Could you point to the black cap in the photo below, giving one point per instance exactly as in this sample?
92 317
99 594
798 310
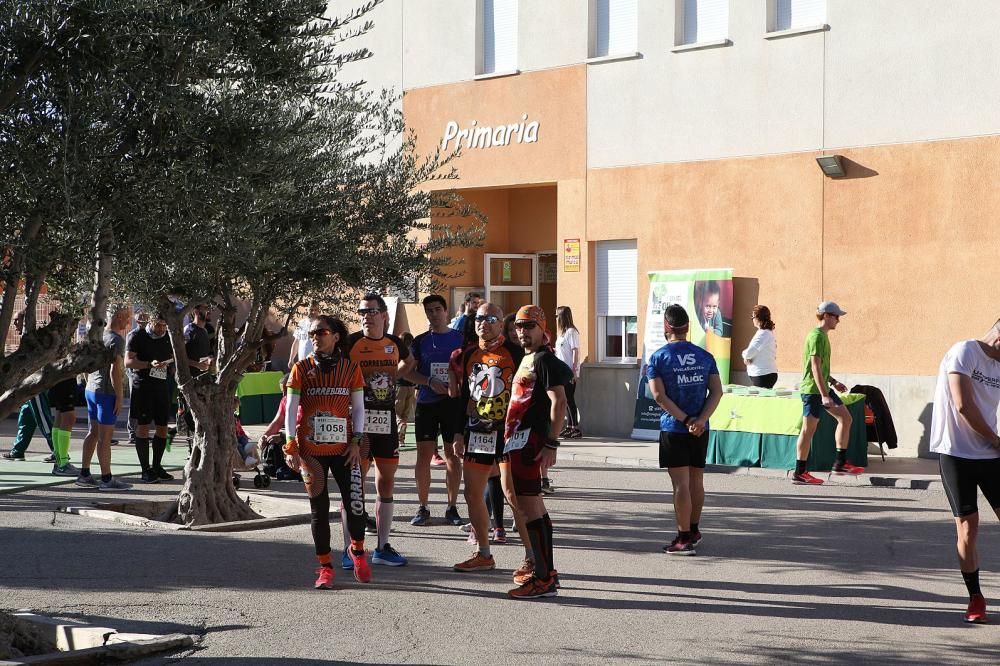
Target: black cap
676 316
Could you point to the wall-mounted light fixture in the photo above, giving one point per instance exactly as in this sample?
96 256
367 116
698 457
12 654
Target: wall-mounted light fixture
831 166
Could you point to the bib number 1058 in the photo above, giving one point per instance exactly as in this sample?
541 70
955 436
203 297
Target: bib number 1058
329 430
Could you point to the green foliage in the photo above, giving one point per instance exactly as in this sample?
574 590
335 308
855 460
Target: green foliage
220 142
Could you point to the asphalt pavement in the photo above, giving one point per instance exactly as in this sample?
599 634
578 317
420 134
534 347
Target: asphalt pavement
793 574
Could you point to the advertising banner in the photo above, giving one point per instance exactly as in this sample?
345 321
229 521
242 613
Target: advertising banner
707 295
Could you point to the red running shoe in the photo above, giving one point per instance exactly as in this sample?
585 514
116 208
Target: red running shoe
324 578
437 460
362 572
806 479
535 588
680 546
976 612
848 468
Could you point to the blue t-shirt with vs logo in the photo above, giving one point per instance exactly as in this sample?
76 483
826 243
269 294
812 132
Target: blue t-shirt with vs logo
684 369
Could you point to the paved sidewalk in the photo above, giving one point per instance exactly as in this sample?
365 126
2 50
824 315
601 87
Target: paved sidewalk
916 473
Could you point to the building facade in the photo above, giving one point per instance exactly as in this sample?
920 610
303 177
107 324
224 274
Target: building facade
675 134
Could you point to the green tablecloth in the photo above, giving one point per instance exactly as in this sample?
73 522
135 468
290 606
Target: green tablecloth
752 431
259 394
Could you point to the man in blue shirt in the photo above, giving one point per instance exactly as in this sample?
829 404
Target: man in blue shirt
437 414
685 383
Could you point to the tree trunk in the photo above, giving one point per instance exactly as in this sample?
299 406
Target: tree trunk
208 495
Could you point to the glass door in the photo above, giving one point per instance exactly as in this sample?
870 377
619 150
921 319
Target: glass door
511 280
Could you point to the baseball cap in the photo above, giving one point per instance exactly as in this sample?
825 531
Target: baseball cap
676 316
829 307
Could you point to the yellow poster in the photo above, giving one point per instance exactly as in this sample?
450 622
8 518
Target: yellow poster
571 255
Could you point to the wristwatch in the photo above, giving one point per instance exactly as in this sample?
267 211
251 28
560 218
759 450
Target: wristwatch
356 438
551 443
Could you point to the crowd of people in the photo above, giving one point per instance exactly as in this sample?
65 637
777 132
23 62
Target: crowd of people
497 394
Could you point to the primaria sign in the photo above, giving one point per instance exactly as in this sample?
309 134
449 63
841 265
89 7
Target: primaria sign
487 137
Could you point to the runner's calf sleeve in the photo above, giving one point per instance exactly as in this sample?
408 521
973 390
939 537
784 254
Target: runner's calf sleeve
383 519
539 547
319 506
496 500
548 539
159 446
972 582
142 452
60 442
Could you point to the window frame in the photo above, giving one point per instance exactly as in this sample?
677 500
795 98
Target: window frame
680 37
480 72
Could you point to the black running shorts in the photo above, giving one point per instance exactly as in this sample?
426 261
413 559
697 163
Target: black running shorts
484 449
962 476
62 396
151 404
682 449
444 417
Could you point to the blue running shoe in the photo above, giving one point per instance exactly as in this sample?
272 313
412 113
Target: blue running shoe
388 556
346 562
421 517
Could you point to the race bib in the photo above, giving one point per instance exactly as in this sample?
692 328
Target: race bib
329 430
482 442
439 371
517 440
378 421
158 373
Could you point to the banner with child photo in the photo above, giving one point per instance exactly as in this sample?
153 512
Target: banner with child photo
707 295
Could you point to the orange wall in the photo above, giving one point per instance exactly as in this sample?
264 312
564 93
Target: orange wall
900 243
556 98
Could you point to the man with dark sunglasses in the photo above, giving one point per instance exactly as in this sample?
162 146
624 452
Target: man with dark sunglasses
817 396
534 419
485 374
381 357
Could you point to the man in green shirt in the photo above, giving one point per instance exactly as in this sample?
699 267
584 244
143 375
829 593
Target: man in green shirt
817 396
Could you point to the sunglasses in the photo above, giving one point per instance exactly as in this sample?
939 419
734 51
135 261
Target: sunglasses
526 325
319 332
369 311
489 319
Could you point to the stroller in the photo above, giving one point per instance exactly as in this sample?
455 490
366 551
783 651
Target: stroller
273 458
244 460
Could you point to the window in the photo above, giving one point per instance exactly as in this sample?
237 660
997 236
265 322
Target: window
617 296
795 14
498 36
614 27
703 21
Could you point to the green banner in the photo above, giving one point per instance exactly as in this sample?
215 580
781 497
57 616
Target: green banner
707 295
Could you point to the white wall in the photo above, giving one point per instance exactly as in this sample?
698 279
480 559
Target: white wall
911 70
439 42
384 70
755 97
552 33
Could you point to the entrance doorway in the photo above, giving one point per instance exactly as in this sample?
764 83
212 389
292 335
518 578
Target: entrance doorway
513 280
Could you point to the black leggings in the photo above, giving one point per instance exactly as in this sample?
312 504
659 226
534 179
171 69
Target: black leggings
352 493
572 414
765 381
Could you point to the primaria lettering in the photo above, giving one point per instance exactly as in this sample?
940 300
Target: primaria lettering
487 137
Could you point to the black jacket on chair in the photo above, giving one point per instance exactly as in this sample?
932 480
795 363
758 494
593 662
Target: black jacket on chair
883 430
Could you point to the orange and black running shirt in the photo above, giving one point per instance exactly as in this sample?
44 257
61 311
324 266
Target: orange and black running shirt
489 379
379 363
324 424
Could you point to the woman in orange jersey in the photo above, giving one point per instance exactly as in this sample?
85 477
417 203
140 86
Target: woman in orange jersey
325 435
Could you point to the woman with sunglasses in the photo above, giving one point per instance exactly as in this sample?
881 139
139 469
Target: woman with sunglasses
326 436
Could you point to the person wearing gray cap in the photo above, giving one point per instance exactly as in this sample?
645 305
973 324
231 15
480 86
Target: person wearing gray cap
817 396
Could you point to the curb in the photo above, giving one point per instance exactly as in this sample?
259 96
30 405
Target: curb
915 482
102 643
